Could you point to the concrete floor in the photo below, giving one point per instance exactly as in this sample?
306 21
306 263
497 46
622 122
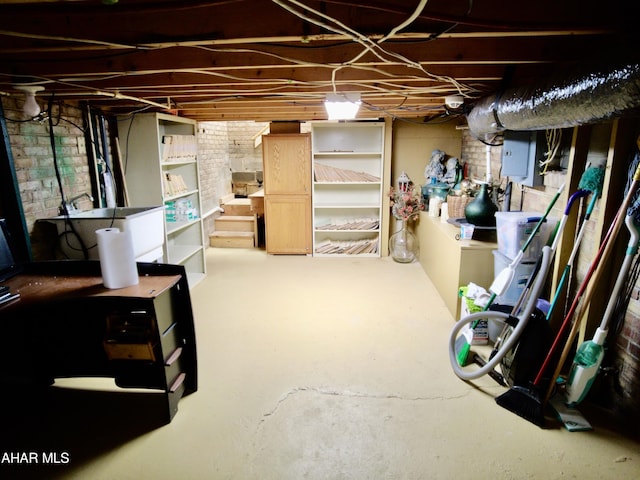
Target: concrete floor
313 368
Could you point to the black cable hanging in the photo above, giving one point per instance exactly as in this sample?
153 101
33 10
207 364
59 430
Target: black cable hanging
56 167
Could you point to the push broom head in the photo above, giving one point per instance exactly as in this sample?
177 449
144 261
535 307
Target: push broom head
592 180
523 401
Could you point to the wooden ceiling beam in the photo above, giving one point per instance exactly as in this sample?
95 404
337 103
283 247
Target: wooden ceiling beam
269 76
25 43
265 88
247 56
206 60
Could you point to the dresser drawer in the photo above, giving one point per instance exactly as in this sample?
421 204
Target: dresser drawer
130 336
171 339
163 311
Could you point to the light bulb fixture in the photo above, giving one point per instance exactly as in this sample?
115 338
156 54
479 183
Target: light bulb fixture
30 106
342 106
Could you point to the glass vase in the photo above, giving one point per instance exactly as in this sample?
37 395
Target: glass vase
403 245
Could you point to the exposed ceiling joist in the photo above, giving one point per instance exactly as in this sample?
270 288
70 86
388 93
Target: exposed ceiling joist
276 59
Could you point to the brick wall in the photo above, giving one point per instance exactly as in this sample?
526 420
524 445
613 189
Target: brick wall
620 389
224 147
244 155
31 149
474 153
213 158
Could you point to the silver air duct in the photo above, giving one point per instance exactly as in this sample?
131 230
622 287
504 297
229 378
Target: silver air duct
567 103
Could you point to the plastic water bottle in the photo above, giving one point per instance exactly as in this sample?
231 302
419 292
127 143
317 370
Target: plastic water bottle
585 368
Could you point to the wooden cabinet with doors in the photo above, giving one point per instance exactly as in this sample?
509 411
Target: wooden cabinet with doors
287 193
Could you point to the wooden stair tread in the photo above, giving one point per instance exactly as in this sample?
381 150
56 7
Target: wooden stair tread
231 234
238 201
237 210
227 239
236 218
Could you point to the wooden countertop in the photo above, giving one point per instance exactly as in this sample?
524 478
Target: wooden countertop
257 202
450 230
35 288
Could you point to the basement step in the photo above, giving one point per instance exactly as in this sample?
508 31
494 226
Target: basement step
225 239
237 206
235 223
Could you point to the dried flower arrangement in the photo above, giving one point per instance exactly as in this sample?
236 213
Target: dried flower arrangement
407 203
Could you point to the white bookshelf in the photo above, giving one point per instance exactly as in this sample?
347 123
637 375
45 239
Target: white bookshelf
161 167
348 161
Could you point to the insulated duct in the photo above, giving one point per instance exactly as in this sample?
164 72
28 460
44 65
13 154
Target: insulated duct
558 104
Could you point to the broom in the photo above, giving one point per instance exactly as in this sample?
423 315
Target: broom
526 401
591 182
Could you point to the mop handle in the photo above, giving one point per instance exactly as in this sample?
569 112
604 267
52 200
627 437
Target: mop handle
632 250
567 319
603 252
567 268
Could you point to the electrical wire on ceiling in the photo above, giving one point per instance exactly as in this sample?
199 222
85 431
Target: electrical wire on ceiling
416 13
93 91
86 41
308 14
378 86
392 88
453 25
340 29
293 61
368 44
375 85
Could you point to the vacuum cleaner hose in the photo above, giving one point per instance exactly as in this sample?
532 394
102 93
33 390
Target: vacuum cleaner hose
512 340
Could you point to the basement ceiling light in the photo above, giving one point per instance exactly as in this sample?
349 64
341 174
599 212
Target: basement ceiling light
30 107
342 106
454 101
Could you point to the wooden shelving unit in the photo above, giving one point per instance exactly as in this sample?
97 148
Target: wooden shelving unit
348 161
160 154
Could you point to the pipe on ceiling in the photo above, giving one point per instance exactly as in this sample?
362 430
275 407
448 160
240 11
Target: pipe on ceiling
579 100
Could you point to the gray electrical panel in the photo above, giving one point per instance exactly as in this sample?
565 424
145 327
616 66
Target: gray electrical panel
520 152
